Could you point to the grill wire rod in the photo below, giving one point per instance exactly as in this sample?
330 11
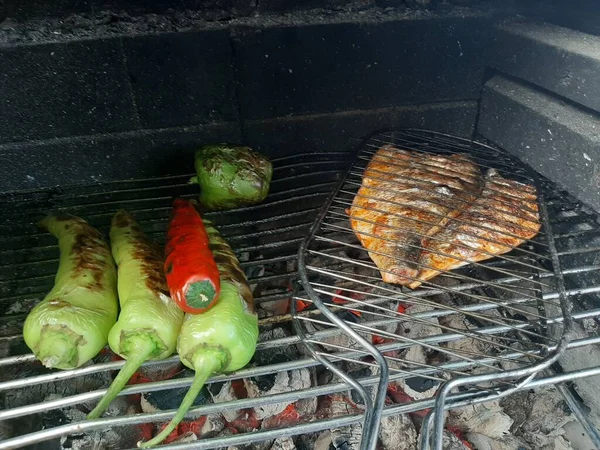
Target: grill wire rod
449 317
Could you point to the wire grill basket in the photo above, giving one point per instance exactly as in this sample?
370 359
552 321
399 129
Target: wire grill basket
470 334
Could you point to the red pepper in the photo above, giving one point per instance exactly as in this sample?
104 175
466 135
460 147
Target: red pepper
190 268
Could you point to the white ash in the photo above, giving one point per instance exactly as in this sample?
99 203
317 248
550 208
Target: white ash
288 381
323 441
424 390
307 406
285 443
466 346
108 439
398 433
280 382
488 419
224 393
274 308
451 441
588 388
338 342
481 442
576 435
314 441
263 445
213 425
546 419
345 438
418 330
184 438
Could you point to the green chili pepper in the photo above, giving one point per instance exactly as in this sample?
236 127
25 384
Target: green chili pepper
70 326
222 339
150 321
230 177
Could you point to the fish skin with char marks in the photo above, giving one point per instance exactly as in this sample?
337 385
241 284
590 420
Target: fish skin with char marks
406 196
503 217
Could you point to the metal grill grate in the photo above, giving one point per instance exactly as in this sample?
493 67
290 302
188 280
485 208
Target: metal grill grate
483 325
266 238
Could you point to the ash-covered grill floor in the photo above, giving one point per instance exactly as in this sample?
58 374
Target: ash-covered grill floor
266 239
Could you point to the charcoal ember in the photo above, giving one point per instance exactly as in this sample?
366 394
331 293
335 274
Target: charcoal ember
406 390
262 445
167 399
186 437
314 441
388 330
340 341
108 439
293 414
280 382
7 430
481 442
363 372
288 381
398 433
451 441
344 438
61 388
213 425
396 392
488 419
246 422
158 372
221 393
285 443
270 287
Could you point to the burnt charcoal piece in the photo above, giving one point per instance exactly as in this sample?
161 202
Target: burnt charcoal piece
421 384
171 398
286 381
224 392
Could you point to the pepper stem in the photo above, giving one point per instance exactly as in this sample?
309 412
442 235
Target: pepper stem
140 351
200 294
57 349
206 362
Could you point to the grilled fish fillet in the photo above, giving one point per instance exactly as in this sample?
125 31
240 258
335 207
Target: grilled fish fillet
406 196
503 217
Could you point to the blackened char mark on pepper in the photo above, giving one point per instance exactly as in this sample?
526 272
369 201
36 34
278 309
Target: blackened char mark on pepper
228 264
90 254
146 253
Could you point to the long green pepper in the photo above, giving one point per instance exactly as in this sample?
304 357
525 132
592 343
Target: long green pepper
150 321
222 339
71 324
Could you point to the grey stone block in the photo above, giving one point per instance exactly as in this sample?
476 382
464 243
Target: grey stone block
559 140
558 59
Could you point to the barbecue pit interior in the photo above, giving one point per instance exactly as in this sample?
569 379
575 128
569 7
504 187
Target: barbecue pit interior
103 105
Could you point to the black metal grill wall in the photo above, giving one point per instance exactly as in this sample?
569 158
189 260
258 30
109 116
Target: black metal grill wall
97 91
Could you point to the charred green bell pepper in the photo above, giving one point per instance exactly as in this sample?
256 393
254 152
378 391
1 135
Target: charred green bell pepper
71 324
221 339
230 177
150 320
